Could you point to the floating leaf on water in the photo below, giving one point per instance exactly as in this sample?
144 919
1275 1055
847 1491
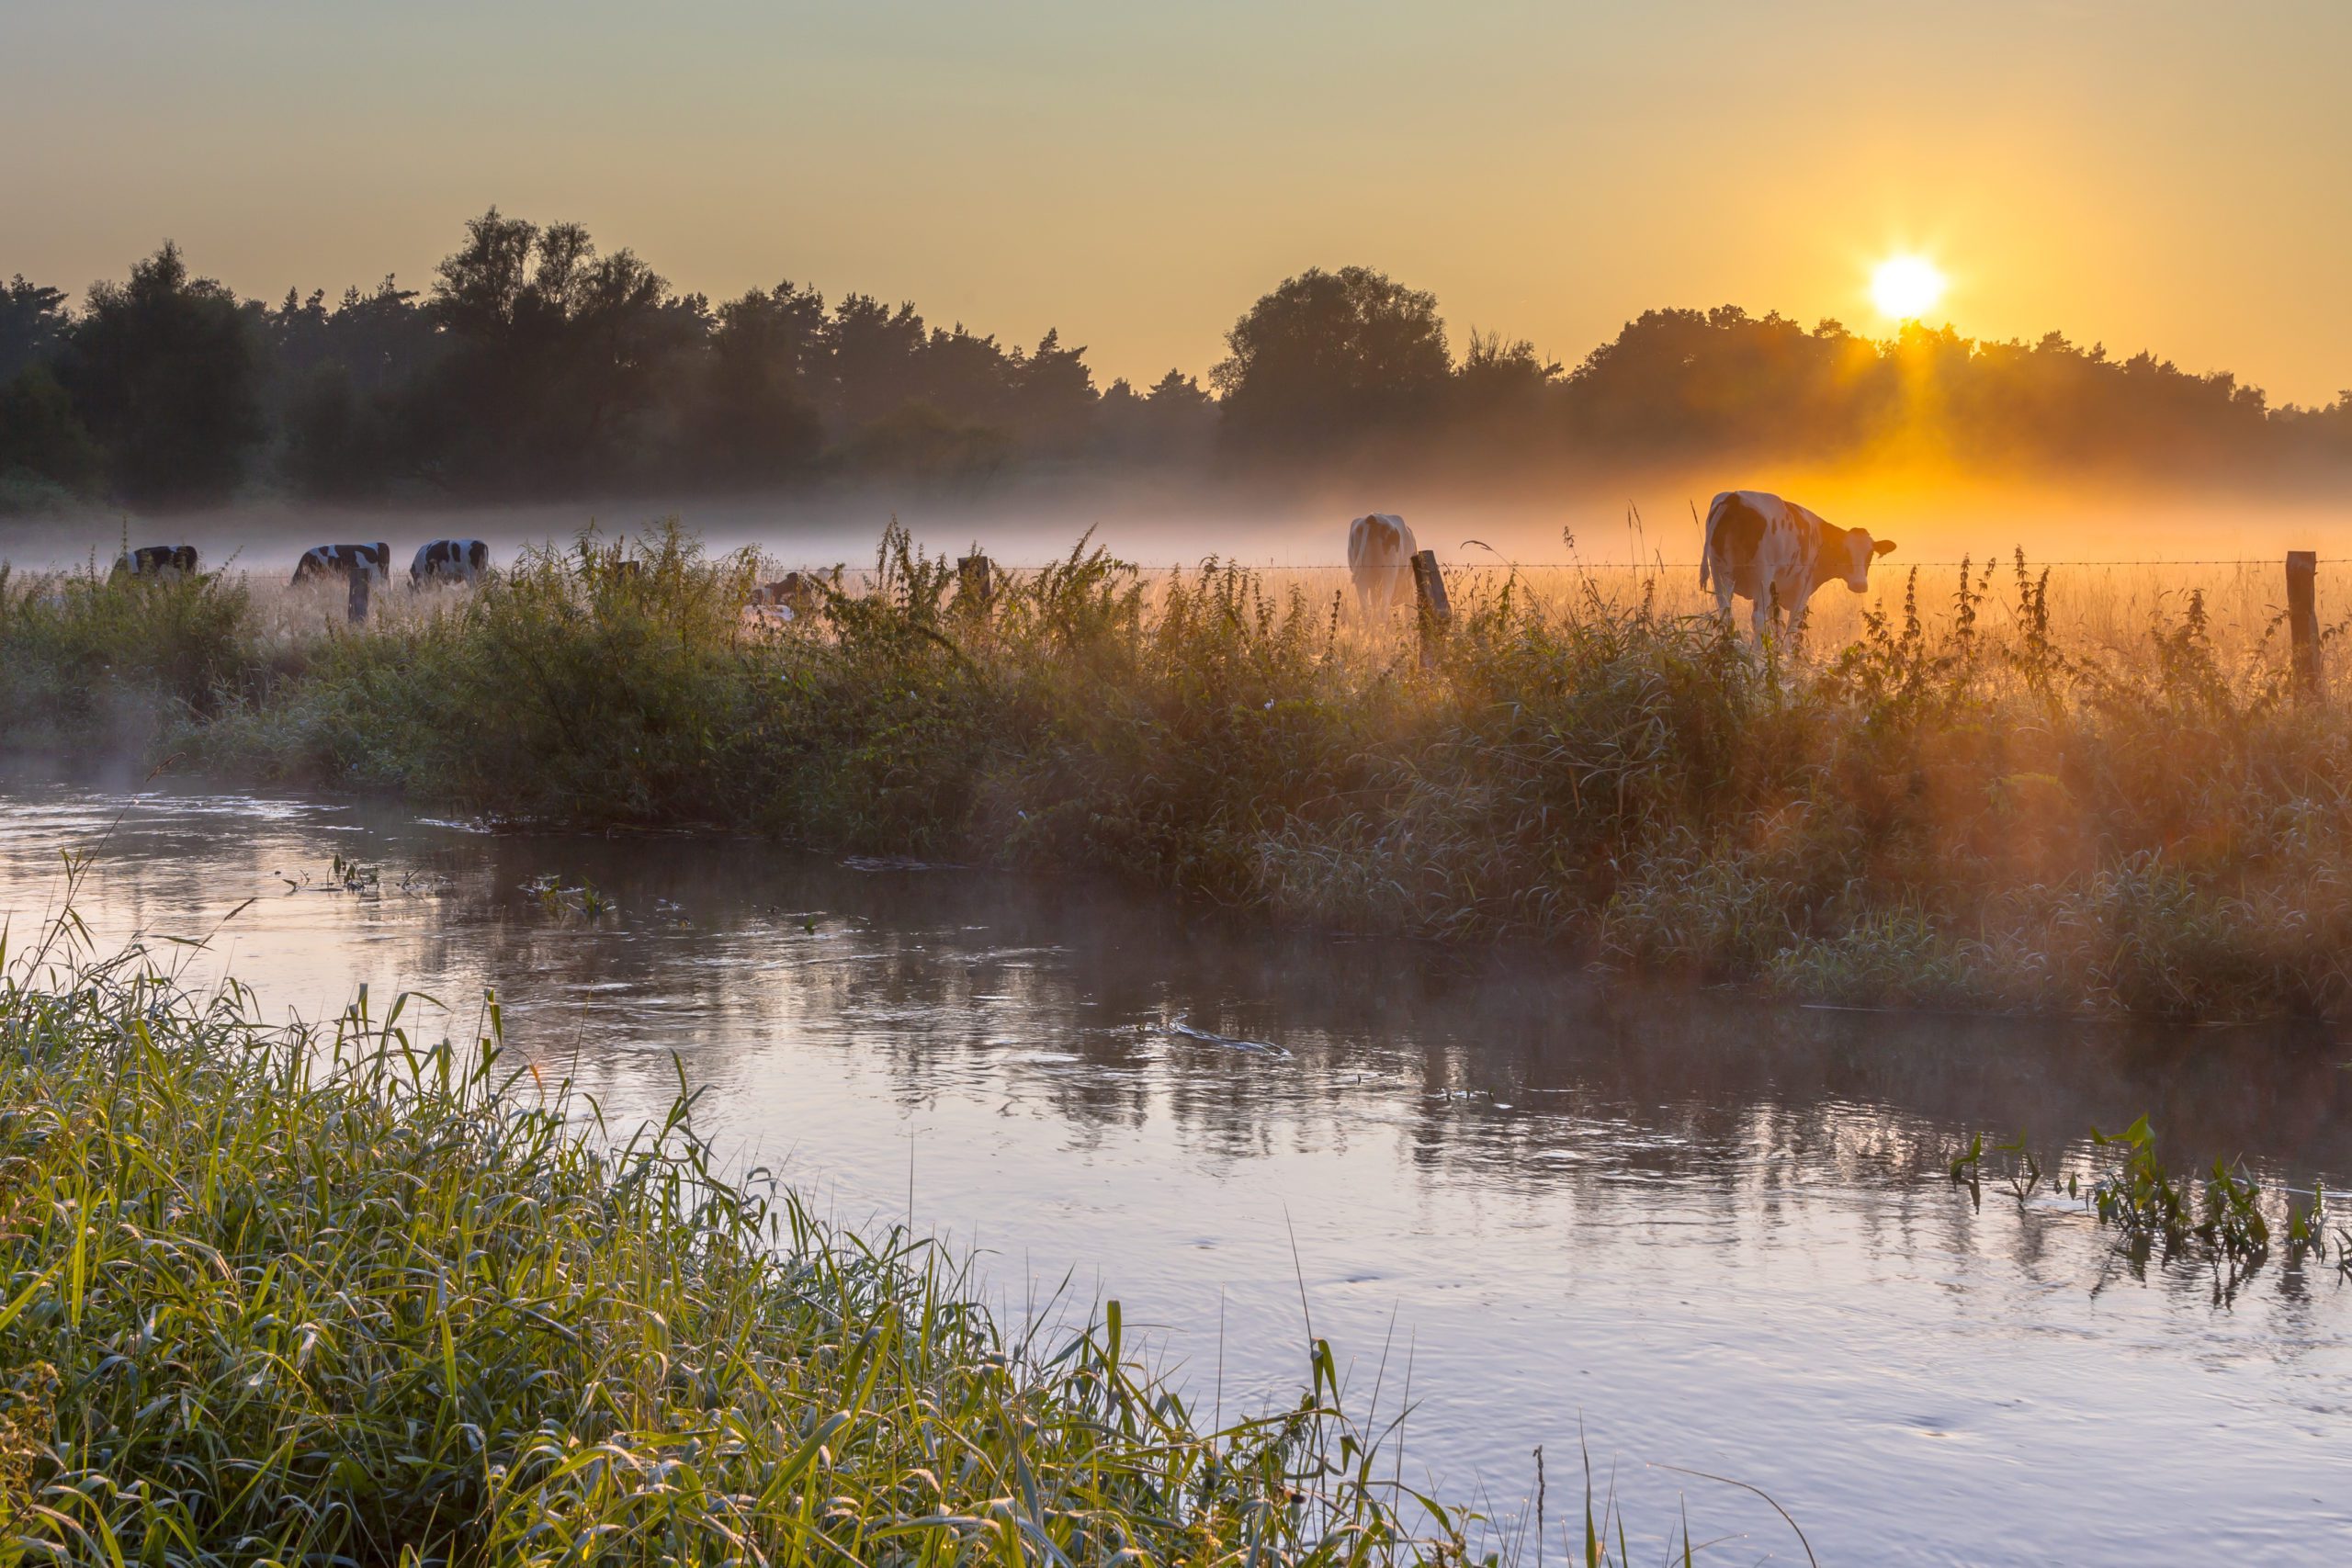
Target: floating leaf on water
1259 1047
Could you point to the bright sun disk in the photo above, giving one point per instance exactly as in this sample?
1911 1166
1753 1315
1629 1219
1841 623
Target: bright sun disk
1907 287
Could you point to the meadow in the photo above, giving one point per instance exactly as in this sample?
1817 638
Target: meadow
1995 787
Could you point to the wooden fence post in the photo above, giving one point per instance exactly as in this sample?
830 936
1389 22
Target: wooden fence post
361 580
2302 620
1435 614
975 583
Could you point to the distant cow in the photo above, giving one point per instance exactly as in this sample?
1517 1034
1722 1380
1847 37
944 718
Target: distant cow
321 561
789 597
449 560
1774 554
164 563
1380 561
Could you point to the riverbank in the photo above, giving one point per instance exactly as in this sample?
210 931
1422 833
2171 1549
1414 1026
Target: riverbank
1958 809
338 1294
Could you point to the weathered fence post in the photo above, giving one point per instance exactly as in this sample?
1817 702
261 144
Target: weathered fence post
361 581
1435 614
2302 620
975 583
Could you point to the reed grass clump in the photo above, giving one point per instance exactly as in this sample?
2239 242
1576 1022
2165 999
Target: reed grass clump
92 660
1965 804
338 1296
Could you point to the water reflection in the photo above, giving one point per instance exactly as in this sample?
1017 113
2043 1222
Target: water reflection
1717 1234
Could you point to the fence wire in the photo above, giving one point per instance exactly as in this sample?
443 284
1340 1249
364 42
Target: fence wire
1502 563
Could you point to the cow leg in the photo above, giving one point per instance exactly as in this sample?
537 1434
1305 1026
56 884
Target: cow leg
1797 602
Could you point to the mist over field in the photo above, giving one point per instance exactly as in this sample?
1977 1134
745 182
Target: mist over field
1630 519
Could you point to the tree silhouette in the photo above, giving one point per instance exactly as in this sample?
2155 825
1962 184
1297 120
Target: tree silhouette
541 366
755 420
1331 357
41 437
164 369
32 324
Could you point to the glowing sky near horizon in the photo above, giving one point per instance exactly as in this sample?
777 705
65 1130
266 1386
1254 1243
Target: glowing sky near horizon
2171 176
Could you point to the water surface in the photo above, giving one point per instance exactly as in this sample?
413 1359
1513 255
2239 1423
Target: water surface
1696 1230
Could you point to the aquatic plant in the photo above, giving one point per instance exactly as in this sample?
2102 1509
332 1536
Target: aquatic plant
2155 1212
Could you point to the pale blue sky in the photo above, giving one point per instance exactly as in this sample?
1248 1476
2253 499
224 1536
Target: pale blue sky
2170 175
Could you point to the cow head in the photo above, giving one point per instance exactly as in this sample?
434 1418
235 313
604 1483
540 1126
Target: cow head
1860 550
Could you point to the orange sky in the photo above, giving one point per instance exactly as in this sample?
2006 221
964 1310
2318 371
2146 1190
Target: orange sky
2175 177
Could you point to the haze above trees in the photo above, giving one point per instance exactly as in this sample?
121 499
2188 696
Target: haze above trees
536 366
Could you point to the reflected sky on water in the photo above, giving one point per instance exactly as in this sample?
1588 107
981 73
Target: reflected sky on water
1702 1231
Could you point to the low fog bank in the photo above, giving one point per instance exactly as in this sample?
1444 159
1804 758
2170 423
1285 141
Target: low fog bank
1627 518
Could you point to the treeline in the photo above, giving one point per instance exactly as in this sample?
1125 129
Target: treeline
536 365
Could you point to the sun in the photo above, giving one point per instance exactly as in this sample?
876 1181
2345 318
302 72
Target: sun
1906 288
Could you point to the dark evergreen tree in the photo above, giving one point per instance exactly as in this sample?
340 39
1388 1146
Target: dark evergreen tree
165 370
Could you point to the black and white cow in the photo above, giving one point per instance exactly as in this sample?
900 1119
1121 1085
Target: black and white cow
1774 553
1380 561
323 561
164 563
449 560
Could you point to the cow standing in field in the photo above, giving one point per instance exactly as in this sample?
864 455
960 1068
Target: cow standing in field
164 563
1774 553
460 561
1380 561
321 562
789 598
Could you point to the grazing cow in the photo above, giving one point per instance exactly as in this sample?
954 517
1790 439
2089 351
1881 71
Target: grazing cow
1380 561
321 561
1774 553
164 563
789 597
449 560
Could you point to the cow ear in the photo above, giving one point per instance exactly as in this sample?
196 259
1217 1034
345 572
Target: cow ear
1882 547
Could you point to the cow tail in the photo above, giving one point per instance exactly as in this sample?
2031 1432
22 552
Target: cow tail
1706 542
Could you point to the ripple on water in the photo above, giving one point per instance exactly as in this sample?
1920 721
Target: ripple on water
1683 1229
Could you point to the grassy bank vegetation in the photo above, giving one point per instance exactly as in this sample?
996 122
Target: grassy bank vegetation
283 1295
1964 806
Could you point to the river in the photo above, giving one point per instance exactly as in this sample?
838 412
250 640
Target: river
1682 1228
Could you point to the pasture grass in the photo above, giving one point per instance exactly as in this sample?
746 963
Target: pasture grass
336 1295
1979 789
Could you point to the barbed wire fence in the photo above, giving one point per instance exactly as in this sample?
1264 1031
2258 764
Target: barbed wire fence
1499 563
2247 610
